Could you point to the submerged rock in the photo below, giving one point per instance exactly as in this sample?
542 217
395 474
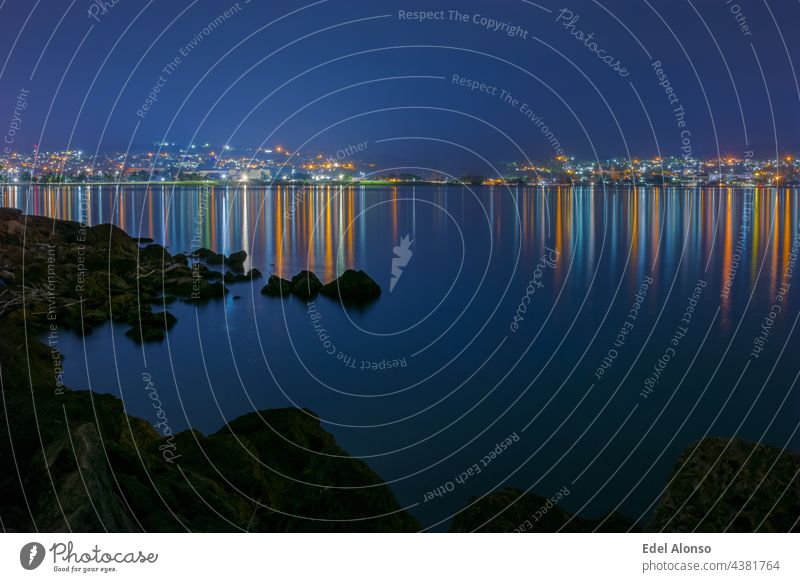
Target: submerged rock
352 287
306 285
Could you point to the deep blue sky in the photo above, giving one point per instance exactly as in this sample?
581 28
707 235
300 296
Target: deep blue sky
89 82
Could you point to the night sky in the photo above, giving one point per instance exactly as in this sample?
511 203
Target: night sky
324 75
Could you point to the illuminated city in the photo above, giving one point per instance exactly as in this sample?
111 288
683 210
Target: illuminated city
167 162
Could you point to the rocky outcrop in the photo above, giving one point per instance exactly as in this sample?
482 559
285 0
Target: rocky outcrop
731 485
718 485
75 461
81 490
80 277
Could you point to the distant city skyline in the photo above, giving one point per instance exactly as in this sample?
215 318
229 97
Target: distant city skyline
431 84
172 162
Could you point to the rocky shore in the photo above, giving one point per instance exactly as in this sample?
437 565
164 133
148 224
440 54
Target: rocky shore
717 485
75 461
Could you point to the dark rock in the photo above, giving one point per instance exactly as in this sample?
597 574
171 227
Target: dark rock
236 260
277 287
352 287
731 485
152 326
204 254
7 277
154 253
306 285
116 284
254 274
181 259
206 291
292 429
87 466
79 461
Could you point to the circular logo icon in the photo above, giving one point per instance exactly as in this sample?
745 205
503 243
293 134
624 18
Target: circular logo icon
31 555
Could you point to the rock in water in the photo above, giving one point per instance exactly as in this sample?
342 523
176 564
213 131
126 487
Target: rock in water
236 261
207 255
352 287
152 326
277 287
306 285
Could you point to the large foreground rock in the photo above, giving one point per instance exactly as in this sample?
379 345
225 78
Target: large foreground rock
731 485
718 485
97 468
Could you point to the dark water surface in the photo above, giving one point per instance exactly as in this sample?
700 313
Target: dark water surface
426 381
